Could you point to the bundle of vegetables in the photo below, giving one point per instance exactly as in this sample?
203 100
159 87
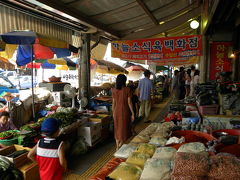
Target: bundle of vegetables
7 170
65 118
28 140
17 153
67 110
31 126
26 128
35 125
8 134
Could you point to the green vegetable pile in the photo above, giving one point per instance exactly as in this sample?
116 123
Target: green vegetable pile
10 134
65 118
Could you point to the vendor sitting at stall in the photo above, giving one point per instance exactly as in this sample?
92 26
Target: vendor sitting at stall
5 122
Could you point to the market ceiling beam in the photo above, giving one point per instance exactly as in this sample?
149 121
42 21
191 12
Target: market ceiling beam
76 14
137 18
164 19
164 27
115 11
146 10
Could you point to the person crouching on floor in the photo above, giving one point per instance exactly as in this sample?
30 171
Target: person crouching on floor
49 152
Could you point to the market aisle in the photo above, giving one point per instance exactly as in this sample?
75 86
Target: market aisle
157 113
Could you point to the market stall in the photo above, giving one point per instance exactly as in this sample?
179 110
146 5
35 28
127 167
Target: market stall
180 146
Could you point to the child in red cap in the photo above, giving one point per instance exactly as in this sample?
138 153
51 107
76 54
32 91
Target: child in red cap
49 152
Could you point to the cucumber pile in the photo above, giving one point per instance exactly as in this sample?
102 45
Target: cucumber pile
7 170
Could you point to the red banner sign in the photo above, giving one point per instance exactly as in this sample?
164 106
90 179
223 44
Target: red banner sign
219 59
176 62
158 48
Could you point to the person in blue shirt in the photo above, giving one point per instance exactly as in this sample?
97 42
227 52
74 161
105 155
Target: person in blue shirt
145 88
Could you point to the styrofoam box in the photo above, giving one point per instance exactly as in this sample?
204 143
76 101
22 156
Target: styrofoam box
185 120
219 121
91 131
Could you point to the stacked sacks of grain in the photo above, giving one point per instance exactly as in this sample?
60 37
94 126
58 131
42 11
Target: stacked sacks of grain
126 171
157 169
224 166
190 166
125 151
191 162
160 166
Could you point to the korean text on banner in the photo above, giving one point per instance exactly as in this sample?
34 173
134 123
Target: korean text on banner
158 48
219 59
176 61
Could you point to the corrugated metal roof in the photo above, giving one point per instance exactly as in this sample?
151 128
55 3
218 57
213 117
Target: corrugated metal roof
125 19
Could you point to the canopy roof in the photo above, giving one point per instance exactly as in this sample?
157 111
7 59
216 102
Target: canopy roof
123 19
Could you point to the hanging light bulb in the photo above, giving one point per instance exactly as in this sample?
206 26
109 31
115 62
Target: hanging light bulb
194 24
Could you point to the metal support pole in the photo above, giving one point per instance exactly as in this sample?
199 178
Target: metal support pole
204 61
85 66
33 105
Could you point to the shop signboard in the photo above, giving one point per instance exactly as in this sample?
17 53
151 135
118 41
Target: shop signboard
175 62
219 59
158 48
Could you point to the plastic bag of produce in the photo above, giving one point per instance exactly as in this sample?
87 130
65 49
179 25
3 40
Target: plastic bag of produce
140 139
79 147
125 151
165 153
161 133
126 171
158 141
194 147
148 131
156 169
224 167
138 159
146 148
191 164
175 140
167 125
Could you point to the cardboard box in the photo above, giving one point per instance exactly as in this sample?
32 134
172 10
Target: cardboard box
10 149
91 131
104 119
29 169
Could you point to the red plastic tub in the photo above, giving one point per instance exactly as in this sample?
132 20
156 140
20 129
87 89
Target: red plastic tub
191 136
232 149
233 132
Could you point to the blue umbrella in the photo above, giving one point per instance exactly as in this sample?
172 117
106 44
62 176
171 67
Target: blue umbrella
19 37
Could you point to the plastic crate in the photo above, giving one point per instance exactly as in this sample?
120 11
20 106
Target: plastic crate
208 109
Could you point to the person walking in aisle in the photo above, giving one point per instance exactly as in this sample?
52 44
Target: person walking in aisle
122 108
175 85
182 83
187 82
194 82
145 88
